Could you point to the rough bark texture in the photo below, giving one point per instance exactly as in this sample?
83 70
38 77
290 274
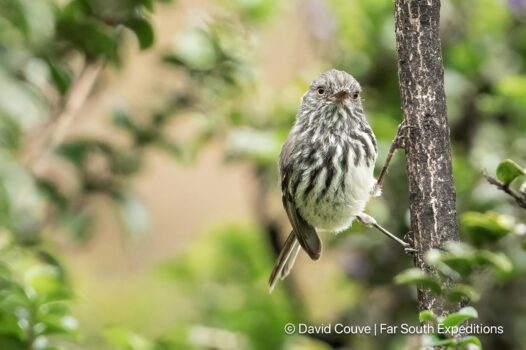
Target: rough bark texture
428 149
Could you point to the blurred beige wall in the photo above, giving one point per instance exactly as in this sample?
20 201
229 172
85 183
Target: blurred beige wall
183 200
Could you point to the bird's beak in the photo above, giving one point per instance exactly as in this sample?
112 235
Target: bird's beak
341 95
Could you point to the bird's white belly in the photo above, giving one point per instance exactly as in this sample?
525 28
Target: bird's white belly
337 209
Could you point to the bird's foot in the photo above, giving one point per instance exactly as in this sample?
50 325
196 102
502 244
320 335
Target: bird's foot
400 140
409 250
409 244
402 135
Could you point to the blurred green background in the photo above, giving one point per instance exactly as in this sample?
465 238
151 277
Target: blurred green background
139 206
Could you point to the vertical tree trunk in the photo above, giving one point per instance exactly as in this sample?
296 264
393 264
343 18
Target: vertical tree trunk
428 149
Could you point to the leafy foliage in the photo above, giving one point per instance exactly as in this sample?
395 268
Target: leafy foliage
235 262
35 294
508 171
45 46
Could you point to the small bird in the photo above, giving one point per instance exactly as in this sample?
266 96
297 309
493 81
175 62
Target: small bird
326 168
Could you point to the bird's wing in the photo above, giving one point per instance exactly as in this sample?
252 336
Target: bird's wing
305 233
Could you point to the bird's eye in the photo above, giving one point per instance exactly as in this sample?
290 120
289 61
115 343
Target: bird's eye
320 91
355 95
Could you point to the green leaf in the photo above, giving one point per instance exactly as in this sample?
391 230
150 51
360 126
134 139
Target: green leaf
500 262
58 296
174 149
52 193
14 12
43 279
123 119
462 264
471 340
148 5
93 38
60 75
55 324
10 134
460 291
435 341
457 259
78 222
427 316
127 162
76 151
433 256
456 318
5 205
463 343
418 277
489 226
143 30
508 170
194 50
512 87
121 338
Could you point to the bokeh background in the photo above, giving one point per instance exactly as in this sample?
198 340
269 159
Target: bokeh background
139 206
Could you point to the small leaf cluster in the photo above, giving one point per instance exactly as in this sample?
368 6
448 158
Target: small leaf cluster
34 301
456 267
512 180
450 323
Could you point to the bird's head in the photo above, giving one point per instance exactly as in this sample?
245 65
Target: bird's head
333 88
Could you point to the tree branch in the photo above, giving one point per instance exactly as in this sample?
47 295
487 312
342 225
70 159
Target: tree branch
75 101
428 149
520 199
54 133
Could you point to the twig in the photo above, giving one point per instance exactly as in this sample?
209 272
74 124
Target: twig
520 199
55 132
396 144
76 99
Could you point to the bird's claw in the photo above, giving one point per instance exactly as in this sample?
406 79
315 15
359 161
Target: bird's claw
408 246
402 135
409 250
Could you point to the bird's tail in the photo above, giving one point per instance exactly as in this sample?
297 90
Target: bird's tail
285 261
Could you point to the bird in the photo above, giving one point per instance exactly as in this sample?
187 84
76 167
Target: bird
326 168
